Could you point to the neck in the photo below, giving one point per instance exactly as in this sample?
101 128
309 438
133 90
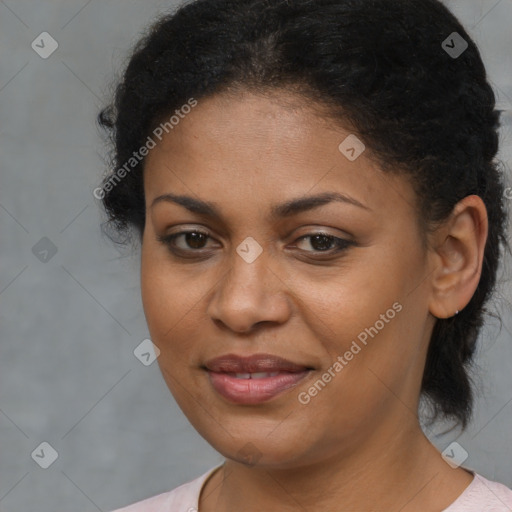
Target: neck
398 470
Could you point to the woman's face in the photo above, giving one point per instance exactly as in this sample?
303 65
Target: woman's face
267 282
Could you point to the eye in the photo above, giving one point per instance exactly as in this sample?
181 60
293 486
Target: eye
195 240
323 243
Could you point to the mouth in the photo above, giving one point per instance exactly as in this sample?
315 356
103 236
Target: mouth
254 379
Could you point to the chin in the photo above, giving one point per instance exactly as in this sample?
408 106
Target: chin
254 442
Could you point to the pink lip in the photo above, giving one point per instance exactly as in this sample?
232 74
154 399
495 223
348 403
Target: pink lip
222 370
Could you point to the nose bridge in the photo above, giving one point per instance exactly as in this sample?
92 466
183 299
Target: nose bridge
248 292
246 279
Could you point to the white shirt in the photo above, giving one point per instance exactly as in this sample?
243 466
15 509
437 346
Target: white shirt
481 495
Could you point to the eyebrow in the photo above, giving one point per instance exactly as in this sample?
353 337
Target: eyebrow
283 210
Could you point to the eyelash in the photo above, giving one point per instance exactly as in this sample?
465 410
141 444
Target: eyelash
341 244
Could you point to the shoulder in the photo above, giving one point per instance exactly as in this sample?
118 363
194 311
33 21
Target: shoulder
483 494
184 498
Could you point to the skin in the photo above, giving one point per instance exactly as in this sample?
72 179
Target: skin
360 436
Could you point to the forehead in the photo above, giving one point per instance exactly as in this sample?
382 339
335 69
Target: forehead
254 148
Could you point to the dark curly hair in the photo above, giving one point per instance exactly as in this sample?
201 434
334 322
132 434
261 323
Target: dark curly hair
379 66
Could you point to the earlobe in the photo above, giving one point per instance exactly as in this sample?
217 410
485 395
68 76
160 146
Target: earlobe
458 257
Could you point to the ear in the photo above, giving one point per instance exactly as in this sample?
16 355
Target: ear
458 252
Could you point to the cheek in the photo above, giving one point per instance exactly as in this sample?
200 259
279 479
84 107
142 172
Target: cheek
366 317
173 300
165 296
340 306
168 308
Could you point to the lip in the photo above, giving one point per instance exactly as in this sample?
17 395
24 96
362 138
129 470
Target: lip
222 375
231 363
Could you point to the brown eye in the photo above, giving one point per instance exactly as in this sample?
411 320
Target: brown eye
323 242
192 239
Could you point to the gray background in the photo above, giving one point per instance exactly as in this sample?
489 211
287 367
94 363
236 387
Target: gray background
68 374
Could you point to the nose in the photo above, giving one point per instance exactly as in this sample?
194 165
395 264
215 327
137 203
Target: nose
249 294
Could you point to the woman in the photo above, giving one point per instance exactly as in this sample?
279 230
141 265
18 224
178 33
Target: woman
320 214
